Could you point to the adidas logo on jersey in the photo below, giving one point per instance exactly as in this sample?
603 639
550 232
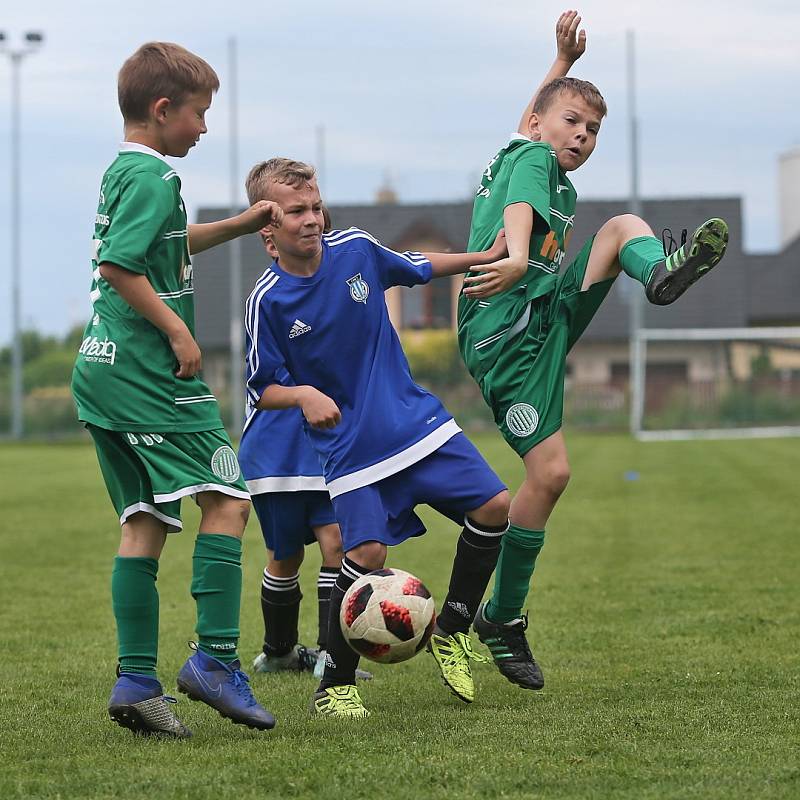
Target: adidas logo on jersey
298 329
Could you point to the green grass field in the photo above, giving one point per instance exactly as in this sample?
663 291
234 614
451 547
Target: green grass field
665 615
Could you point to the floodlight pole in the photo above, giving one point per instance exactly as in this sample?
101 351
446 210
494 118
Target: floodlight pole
236 393
33 40
636 310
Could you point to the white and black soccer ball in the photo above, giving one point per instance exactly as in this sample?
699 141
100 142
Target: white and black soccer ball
387 615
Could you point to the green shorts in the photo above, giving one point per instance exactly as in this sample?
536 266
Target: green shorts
152 471
525 386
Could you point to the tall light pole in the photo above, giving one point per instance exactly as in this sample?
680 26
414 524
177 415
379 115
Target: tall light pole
636 297
236 312
31 42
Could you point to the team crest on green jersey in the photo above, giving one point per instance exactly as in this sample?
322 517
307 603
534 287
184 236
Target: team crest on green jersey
225 465
359 288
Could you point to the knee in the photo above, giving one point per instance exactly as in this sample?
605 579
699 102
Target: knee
286 567
369 555
555 477
494 512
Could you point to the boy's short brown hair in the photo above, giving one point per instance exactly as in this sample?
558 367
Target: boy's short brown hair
161 69
276 170
588 92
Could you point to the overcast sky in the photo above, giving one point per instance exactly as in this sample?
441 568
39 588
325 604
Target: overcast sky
422 92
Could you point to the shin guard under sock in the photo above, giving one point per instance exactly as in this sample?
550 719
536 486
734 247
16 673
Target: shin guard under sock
476 557
217 589
280 607
342 660
514 570
639 256
325 582
134 599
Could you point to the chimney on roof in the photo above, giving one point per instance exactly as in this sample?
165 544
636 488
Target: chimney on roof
386 195
789 195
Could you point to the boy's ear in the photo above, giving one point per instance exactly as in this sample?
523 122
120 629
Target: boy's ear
533 128
160 108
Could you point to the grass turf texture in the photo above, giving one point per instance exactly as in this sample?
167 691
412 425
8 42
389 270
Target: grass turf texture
665 615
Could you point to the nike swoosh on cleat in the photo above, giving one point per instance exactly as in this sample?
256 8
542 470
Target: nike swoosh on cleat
217 692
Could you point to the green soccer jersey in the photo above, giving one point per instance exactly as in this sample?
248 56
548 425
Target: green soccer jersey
124 377
522 172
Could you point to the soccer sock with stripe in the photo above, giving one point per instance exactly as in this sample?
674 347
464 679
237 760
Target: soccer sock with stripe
217 589
342 660
515 568
325 582
280 605
476 557
134 599
639 257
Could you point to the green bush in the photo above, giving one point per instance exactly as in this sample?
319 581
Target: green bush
433 357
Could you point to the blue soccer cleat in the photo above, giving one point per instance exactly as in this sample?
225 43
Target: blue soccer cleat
138 702
225 688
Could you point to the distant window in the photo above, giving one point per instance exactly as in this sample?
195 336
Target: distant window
428 306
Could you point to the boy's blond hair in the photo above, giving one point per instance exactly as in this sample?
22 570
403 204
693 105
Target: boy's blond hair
161 69
276 170
588 92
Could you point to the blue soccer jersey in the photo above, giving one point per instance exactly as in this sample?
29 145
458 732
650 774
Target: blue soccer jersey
332 331
275 454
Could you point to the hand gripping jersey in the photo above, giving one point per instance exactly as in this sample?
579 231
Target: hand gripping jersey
124 376
522 172
332 331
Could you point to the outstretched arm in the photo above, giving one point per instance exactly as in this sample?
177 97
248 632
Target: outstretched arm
570 46
457 263
209 234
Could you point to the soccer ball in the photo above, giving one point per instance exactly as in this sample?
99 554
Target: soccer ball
387 615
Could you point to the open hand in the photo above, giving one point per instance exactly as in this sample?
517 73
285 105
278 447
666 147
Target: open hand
493 278
261 214
570 43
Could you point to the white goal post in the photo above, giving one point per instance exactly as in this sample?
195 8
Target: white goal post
740 346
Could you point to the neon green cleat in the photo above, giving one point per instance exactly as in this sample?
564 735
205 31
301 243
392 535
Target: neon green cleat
453 654
338 701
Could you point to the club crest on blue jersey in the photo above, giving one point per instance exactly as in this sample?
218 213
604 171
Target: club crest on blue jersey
359 288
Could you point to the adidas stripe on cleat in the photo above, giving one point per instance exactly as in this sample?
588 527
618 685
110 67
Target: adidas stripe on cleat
339 701
453 654
688 263
510 650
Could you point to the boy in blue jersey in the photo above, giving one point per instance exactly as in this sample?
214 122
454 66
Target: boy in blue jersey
320 340
294 509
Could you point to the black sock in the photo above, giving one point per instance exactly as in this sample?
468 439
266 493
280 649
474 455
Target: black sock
476 557
280 605
325 581
342 660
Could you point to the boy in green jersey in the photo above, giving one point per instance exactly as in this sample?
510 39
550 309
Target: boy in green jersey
518 318
155 423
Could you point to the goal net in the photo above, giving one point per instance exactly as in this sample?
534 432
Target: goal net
708 383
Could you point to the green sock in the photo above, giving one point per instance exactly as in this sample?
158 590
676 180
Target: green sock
217 588
134 599
639 257
512 578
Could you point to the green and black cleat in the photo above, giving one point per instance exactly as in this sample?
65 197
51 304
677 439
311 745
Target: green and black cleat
510 650
688 263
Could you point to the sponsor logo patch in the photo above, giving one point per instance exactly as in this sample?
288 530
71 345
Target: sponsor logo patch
96 351
224 464
522 419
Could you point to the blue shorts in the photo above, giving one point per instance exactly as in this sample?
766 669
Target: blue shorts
288 519
454 480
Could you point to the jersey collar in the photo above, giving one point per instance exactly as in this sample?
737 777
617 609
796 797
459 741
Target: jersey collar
134 147
517 137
